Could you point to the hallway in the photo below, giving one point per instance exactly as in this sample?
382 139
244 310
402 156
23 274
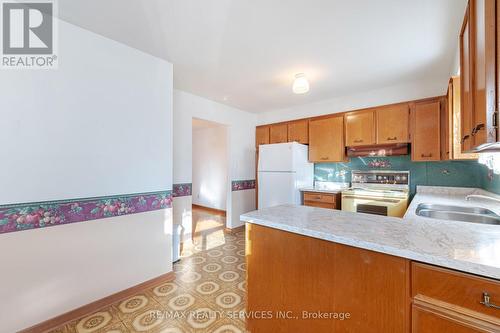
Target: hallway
206 295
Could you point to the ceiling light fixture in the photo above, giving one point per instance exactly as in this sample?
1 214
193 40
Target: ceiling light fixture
300 84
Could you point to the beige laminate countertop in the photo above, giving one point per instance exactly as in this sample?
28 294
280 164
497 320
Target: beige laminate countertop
467 247
327 187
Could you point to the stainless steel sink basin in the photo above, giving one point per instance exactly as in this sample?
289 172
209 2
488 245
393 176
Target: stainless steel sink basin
457 213
455 216
460 209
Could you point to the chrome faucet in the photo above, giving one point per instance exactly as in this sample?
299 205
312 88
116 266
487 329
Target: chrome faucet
479 196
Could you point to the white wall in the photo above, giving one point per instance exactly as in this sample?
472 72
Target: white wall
243 201
210 167
241 144
183 215
99 125
47 272
388 95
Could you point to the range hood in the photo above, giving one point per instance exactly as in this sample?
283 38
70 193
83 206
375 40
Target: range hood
378 150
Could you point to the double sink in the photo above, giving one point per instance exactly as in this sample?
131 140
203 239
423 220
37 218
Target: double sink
458 213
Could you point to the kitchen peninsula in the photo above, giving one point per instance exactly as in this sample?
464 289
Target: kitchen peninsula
389 274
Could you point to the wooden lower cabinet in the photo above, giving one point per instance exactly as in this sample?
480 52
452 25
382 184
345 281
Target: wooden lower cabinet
451 301
303 277
374 288
322 200
297 283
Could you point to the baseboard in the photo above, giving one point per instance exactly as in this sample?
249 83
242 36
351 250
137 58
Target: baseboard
210 210
96 305
234 230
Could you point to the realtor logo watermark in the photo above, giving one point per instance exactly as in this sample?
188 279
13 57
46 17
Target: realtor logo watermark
29 34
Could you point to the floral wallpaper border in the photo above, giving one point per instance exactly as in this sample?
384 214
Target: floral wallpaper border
239 185
182 190
34 215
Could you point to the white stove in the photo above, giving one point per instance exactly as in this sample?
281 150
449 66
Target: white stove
378 192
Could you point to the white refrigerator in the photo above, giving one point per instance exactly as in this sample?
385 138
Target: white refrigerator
282 170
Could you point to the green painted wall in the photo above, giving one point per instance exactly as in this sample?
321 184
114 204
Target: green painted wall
448 173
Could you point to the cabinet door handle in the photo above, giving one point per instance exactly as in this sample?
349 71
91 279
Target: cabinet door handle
477 129
466 137
426 155
323 158
392 139
358 141
486 301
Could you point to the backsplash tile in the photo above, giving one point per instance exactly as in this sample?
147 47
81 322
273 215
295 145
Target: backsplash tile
446 173
490 181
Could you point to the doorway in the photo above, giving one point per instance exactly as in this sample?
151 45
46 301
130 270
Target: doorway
209 179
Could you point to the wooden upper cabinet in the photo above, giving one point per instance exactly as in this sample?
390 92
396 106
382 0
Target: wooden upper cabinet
298 131
465 84
447 125
455 122
483 34
426 135
278 133
360 128
393 124
478 57
261 135
326 139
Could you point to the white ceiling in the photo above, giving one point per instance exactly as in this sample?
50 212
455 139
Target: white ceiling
244 53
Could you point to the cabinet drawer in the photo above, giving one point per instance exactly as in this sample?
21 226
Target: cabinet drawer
455 288
319 197
320 204
426 321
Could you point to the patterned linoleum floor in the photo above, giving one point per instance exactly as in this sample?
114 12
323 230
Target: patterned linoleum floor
207 295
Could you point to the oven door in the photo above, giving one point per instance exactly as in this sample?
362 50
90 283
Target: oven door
374 205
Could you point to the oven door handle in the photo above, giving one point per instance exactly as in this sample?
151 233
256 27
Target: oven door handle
372 199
